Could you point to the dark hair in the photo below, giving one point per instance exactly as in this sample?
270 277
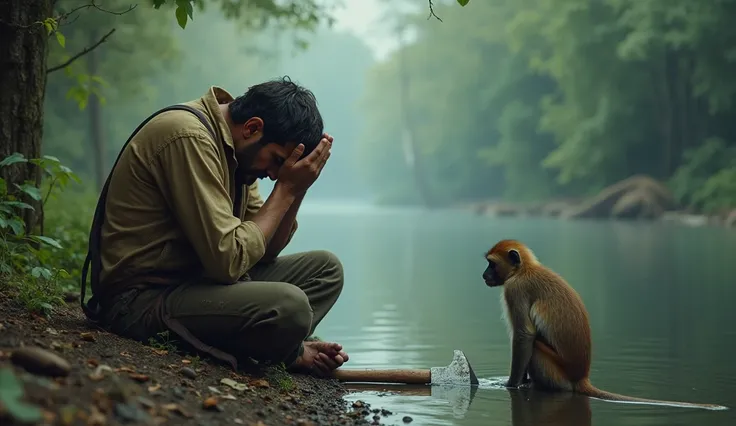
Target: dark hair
289 112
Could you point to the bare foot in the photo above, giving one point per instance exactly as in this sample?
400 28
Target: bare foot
320 357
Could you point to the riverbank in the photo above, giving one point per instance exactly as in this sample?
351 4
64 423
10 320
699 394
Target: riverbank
62 371
559 209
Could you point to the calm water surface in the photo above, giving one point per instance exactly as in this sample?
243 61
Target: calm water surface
660 298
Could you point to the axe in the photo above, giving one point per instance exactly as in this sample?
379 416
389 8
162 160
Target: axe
457 373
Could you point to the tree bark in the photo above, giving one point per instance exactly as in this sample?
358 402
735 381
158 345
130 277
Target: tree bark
23 48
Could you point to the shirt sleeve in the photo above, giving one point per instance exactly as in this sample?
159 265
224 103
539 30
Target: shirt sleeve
191 175
255 202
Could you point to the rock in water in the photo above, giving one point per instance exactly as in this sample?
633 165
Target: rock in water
40 361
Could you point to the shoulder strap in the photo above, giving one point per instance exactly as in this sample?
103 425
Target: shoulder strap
91 308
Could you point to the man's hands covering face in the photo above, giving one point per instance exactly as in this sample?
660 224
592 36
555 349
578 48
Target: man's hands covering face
298 175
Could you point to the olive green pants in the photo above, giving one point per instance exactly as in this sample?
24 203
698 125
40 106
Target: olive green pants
266 318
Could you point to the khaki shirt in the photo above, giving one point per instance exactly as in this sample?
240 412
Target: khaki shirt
169 210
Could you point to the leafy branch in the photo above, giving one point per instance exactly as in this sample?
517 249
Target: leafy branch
431 8
81 53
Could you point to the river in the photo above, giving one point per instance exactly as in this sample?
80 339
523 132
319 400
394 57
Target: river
660 297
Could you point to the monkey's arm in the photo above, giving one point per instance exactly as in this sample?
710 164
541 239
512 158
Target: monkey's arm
522 341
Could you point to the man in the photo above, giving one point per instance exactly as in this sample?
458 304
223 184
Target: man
189 247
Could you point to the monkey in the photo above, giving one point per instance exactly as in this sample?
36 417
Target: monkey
548 327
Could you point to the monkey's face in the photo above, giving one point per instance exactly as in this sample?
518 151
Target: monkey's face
491 275
501 266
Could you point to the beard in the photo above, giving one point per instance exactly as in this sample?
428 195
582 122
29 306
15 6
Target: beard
245 173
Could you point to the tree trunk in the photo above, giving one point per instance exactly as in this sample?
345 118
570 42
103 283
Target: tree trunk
23 47
96 137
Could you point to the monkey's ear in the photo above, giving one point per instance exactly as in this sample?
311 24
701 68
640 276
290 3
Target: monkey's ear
514 257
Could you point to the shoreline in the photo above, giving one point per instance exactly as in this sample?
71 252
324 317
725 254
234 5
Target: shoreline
78 375
558 209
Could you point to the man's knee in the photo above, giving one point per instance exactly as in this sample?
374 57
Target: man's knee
329 267
294 311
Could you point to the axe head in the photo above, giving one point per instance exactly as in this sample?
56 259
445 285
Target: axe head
458 373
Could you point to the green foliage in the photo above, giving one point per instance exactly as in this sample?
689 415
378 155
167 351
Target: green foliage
707 179
557 99
24 254
11 394
296 14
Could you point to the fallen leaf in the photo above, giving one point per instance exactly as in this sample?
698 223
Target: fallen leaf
177 409
186 361
139 377
89 337
213 389
51 331
93 362
125 370
152 389
98 374
160 351
230 397
125 354
233 384
210 403
260 383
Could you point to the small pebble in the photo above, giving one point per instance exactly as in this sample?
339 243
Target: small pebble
40 361
188 373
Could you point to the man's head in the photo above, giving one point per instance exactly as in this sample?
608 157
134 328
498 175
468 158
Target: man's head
268 122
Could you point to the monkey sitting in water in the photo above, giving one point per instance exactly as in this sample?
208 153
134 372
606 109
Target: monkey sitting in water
548 323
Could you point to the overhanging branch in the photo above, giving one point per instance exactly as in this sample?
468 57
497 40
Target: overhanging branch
431 11
85 51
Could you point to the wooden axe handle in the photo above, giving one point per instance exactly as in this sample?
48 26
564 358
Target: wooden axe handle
412 377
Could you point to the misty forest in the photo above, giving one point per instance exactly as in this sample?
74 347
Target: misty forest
482 111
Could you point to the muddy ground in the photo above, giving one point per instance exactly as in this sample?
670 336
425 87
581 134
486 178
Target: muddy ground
109 380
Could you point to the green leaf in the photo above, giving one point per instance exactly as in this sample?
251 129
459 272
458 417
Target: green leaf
181 16
50 241
187 5
31 191
11 391
13 158
3 223
46 307
17 226
18 205
158 3
61 39
463 2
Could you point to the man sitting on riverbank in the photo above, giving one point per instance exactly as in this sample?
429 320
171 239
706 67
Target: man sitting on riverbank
189 247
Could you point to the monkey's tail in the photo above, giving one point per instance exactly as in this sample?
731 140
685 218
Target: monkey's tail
586 388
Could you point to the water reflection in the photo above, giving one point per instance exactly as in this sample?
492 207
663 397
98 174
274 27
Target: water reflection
656 294
534 408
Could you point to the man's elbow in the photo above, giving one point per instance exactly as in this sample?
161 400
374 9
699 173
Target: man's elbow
236 254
